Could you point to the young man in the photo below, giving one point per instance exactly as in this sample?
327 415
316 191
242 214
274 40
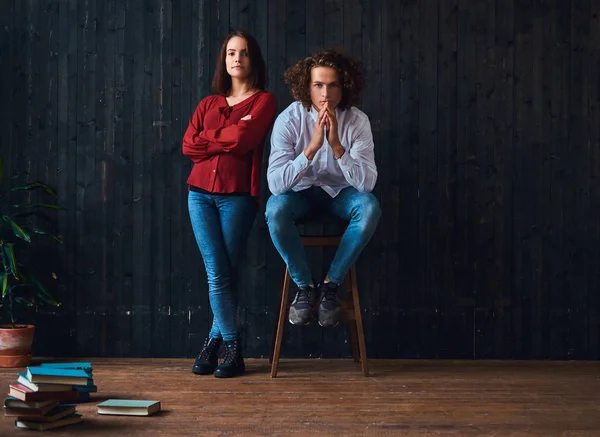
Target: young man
321 160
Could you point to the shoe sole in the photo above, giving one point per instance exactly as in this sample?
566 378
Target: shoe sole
328 326
203 372
298 323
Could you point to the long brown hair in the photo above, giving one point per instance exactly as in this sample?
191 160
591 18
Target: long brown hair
221 83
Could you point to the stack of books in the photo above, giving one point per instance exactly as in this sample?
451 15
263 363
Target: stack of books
37 398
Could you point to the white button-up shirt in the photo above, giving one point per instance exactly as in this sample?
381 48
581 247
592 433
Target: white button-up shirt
289 169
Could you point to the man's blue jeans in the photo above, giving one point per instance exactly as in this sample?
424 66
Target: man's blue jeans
361 209
221 224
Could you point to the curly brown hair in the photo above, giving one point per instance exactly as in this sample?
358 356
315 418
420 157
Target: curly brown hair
297 77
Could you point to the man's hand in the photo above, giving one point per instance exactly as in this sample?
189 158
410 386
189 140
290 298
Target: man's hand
332 132
318 136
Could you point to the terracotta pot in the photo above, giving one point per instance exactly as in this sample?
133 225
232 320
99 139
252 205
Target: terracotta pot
15 345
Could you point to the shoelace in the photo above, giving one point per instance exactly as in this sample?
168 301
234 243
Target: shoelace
330 295
231 354
303 296
206 352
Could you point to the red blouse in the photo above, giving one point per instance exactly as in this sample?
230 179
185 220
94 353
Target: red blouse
227 151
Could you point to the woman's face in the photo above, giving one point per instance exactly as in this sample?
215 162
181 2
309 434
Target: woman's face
237 60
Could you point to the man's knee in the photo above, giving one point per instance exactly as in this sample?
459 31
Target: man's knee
367 210
277 210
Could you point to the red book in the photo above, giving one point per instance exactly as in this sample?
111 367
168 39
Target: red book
19 391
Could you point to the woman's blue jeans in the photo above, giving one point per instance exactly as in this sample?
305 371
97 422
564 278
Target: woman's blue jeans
221 225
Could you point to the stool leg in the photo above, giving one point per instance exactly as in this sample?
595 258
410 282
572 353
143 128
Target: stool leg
350 303
277 312
280 322
359 324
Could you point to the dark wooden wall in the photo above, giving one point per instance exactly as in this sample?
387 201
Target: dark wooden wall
486 118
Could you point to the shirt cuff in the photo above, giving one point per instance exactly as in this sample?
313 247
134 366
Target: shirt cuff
301 163
345 162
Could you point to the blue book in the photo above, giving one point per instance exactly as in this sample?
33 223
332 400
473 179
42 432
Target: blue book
22 379
57 376
82 365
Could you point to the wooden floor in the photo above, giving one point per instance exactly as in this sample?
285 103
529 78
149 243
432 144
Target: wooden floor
331 397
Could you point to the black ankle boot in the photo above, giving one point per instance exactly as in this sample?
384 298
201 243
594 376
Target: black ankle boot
233 364
206 361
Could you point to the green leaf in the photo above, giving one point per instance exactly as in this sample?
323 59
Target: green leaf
35 186
1 169
38 205
17 230
43 293
9 249
4 279
23 301
42 232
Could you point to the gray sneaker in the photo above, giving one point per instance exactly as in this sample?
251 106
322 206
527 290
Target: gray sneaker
330 309
302 309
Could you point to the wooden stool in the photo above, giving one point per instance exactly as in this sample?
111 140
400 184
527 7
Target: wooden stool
350 310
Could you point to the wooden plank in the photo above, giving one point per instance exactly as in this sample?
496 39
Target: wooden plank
489 183
408 146
6 76
427 151
556 36
159 158
465 157
122 258
579 238
240 14
352 10
66 160
387 152
10 22
100 201
46 150
87 245
141 26
494 317
592 350
315 26
333 31
528 177
445 220
180 111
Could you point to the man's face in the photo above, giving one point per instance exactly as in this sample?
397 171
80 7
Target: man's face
325 87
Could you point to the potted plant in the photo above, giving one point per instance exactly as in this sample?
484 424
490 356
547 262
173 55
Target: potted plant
21 285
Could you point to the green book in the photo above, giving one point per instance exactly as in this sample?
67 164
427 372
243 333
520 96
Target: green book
129 407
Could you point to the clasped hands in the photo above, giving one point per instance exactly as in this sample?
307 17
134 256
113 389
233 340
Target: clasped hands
325 126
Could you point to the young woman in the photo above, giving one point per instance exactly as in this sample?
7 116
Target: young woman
225 140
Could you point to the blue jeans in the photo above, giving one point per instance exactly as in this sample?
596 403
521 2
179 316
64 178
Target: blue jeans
361 209
221 224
